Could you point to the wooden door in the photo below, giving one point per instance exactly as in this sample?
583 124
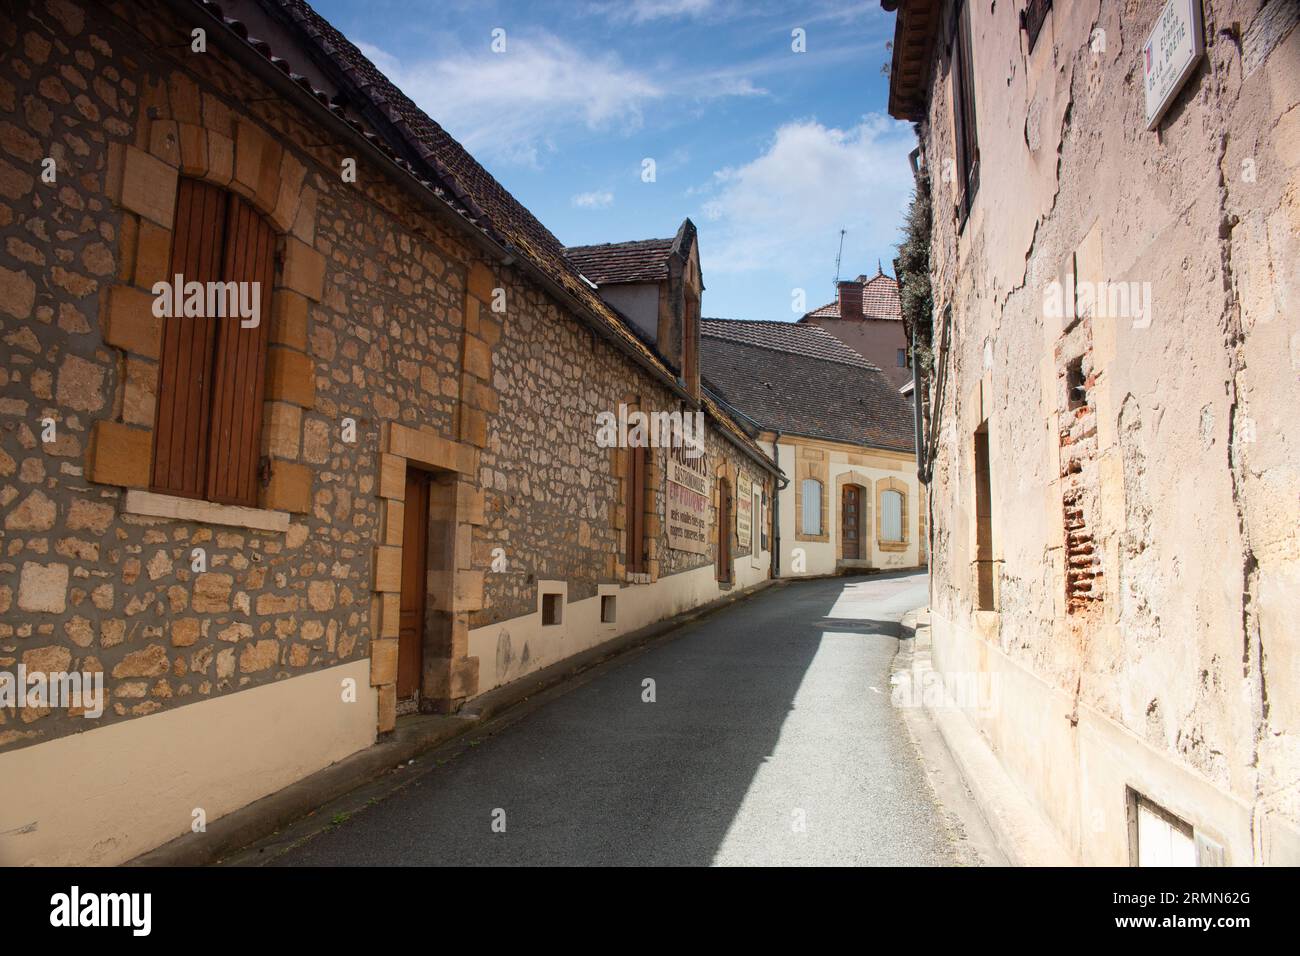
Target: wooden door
636 510
415 563
850 522
724 530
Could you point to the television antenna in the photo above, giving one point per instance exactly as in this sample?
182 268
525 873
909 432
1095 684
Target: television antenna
838 255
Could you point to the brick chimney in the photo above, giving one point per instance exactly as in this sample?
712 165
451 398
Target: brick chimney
850 300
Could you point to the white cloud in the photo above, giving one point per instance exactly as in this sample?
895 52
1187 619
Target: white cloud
644 11
787 205
509 105
513 106
596 199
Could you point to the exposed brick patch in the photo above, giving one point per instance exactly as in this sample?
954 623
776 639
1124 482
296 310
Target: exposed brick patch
1077 418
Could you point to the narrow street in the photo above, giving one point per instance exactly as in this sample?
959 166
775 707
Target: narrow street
771 741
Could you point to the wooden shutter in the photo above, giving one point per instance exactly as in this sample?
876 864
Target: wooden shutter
636 510
964 110
812 506
185 366
891 516
239 375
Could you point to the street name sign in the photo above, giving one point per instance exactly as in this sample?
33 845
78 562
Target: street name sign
1173 49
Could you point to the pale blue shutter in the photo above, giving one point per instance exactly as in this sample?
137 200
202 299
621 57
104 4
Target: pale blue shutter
891 516
812 506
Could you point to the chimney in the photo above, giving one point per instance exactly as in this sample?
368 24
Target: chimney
850 300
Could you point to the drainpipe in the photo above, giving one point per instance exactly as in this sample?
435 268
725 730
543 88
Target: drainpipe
783 482
922 463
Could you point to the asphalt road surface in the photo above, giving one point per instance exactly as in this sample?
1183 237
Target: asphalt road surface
771 741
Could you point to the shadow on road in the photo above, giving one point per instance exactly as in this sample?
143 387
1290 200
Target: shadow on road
599 776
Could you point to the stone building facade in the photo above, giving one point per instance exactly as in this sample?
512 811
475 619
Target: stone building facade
843 436
421 331
1114 479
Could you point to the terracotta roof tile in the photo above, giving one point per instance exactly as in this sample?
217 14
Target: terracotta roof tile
880 300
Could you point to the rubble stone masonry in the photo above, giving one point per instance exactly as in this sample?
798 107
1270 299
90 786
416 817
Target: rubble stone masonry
380 315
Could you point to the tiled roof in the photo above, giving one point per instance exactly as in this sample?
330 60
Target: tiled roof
800 394
645 260
485 198
879 300
810 340
447 170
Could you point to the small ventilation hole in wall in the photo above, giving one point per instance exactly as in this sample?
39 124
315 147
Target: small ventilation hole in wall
552 609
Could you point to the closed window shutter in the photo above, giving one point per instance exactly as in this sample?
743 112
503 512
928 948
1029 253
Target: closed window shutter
891 516
812 506
184 386
967 134
636 510
239 379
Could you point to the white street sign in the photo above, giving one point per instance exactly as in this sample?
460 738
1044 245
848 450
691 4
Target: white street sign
1172 51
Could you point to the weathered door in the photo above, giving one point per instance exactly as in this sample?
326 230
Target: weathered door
725 511
850 522
415 562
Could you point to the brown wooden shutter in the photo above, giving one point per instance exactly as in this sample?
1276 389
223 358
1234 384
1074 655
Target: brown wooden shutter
636 510
184 379
239 376
967 133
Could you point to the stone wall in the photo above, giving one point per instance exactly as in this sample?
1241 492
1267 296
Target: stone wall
381 317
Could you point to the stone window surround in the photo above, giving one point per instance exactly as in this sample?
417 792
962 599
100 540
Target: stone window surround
811 463
893 484
151 504
143 184
621 465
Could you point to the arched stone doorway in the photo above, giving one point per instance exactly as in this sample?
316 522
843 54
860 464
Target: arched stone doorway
853 501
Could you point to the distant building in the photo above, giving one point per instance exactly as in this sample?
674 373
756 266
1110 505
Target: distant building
655 284
867 317
842 434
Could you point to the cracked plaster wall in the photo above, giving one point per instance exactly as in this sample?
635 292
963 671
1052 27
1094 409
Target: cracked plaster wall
1192 478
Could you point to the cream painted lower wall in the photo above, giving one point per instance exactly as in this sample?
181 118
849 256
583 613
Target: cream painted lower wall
1077 776
512 649
109 794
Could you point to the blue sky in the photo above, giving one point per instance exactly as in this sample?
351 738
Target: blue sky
769 151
